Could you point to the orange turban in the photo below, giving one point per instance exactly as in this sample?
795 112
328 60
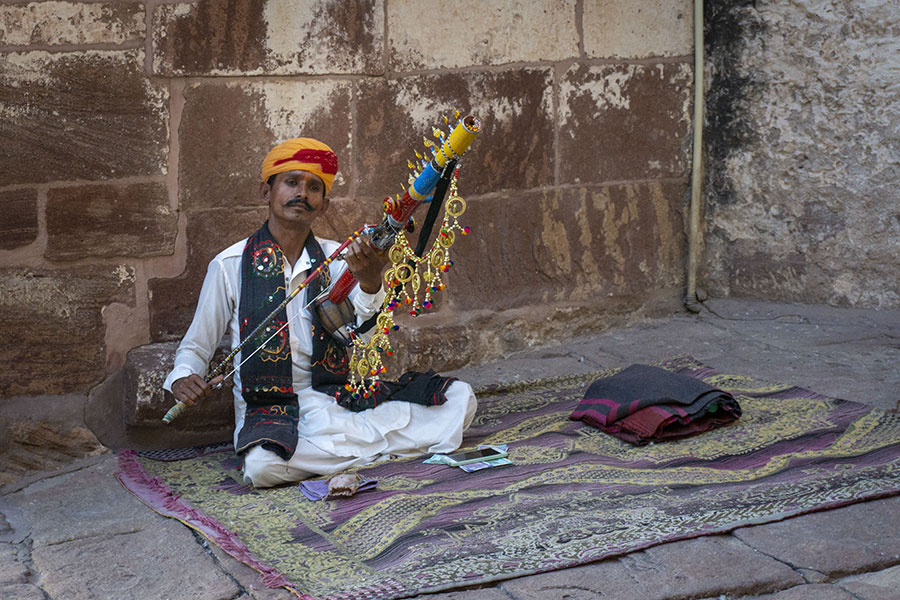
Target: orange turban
304 154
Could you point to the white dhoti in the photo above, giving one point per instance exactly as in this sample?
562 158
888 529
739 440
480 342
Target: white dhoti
332 439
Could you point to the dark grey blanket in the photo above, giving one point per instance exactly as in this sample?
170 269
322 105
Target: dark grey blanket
641 404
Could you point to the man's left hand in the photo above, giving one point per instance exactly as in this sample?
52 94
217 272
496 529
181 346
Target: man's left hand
366 264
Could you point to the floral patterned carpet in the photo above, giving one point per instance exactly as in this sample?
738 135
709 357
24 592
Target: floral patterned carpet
573 495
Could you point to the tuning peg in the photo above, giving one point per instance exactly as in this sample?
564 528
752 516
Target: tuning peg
410 164
456 114
428 143
418 155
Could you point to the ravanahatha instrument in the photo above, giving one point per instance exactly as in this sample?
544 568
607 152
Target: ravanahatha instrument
411 276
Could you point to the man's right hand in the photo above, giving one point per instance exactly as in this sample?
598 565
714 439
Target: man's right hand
192 388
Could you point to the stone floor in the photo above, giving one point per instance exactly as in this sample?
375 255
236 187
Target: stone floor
76 534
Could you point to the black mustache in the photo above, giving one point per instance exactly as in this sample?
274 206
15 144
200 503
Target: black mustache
301 201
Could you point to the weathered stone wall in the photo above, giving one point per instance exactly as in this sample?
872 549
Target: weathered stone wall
803 153
133 133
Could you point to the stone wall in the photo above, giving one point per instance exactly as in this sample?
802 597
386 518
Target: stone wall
803 152
133 134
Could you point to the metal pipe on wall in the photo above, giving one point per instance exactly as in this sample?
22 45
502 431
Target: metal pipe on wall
693 297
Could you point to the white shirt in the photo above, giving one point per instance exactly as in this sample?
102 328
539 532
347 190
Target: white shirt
217 316
331 438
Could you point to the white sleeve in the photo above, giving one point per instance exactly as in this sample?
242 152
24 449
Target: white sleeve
364 304
214 311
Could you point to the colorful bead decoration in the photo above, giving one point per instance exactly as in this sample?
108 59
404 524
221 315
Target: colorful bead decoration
265 262
408 279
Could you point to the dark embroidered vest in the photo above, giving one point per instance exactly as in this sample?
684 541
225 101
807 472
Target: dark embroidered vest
272 411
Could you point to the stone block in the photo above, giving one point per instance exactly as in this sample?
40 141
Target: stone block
19 219
569 246
345 215
629 29
220 165
145 402
514 149
80 115
54 321
800 147
702 568
269 37
775 259
441 341
624 122
57 23
430 34
450 339
776 277
105 221
858 538
145 370
173 301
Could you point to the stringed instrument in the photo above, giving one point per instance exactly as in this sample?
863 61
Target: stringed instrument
402 280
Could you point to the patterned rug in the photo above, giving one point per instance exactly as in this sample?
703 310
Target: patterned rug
573 495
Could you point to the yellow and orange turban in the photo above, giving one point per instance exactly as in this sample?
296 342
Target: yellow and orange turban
304 154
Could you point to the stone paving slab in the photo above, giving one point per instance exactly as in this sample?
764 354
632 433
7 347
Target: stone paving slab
481 594
880 585
526 368
857 364
845 353
707 566
87 537
84 503
247 578
162 561
804 592
842 353
12 570
853 539
644 342
21 591
656 340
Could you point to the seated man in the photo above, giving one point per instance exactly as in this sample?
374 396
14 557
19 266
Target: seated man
289 423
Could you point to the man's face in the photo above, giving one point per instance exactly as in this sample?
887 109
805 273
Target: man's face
295 197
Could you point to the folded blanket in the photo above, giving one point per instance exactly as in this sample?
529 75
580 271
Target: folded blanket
643 404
